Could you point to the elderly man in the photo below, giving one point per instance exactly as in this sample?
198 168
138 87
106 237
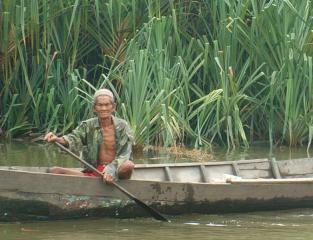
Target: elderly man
105 141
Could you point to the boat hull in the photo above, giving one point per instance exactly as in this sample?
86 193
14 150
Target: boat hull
39 196
28 193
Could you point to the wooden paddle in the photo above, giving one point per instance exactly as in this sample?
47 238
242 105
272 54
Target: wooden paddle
150 210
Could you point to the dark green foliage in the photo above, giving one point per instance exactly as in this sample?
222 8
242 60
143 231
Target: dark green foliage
183 72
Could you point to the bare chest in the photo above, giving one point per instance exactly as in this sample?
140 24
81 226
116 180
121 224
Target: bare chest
107 148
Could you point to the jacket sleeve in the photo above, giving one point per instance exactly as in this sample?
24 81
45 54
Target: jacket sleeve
77 138
125 153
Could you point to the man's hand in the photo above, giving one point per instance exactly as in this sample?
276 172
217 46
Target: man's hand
51 137
107 178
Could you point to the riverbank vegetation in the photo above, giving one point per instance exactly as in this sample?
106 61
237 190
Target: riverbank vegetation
190 73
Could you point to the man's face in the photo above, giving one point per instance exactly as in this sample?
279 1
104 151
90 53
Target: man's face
104 107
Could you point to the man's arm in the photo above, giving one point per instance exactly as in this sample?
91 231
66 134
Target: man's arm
74 140
77 138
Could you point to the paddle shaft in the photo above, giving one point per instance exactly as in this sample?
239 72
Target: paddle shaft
152 211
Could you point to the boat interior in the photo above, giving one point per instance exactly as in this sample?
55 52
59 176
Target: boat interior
212 172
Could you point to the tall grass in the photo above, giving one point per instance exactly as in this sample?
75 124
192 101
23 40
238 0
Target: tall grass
183 72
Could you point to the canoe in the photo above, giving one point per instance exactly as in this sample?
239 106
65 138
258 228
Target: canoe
29 193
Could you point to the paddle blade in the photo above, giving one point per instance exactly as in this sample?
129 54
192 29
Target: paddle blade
151 211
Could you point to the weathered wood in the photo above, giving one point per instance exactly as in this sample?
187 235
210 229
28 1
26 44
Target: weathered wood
270 181
168 174
264 165
309 175
292 167
236 169
192 188
204 174
212 163
275 168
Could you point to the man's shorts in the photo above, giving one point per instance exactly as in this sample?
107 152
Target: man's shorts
93 173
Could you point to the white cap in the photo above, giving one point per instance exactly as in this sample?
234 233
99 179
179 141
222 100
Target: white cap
103 92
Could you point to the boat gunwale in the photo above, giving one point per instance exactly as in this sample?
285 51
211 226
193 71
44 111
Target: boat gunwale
226 182
155 165
211 163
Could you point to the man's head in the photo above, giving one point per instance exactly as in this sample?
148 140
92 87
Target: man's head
103 92
104 104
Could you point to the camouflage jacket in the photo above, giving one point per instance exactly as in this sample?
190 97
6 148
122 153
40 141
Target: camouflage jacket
87 137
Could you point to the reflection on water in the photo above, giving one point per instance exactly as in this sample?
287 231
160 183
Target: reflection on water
43 154
295 224
32 154
262 151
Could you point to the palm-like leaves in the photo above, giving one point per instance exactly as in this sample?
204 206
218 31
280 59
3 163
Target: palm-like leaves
190 72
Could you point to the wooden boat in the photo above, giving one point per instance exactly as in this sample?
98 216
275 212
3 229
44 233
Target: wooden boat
213 187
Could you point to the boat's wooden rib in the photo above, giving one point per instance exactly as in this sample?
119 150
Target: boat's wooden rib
275 168
214 187
168 174
236 169
204 174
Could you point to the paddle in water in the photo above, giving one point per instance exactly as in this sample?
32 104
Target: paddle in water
154 213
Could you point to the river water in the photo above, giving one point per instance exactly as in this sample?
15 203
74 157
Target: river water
291 224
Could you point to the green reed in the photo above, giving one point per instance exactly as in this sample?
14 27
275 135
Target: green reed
183 72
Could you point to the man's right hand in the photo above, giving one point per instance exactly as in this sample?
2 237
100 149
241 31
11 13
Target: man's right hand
51 137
